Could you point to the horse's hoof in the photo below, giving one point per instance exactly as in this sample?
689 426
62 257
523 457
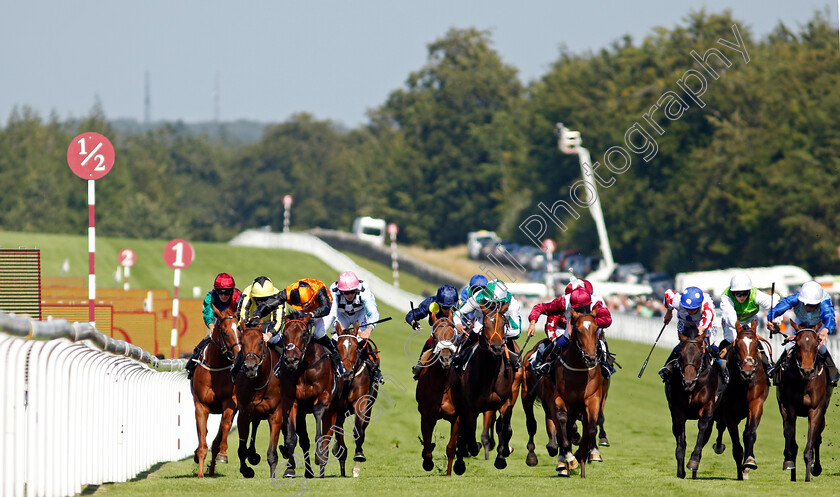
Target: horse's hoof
719 449
357 470
573 463
603 442
428 464
552 450
595 456
694 475
531 459
289 473
247 472
788 465
693 465
816 470
750 463
360 457
222 458
562 470
308 473
745 475
477 448
500 463
460 467
254 459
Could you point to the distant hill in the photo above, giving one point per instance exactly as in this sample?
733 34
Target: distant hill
241 132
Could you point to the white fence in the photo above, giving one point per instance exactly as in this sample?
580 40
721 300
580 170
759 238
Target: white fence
645 330
75 415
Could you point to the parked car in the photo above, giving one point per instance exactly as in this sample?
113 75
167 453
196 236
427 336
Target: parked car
659 282
478 239
629 273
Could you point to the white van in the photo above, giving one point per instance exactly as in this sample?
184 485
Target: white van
370 229
477 239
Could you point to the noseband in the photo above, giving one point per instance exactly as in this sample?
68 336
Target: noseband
227 352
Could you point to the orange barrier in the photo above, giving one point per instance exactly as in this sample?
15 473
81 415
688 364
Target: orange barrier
103 314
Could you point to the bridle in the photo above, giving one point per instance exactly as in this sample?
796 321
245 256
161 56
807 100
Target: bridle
229 353
289 347
587 360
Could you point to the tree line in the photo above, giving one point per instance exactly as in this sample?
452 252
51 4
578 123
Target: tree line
748 178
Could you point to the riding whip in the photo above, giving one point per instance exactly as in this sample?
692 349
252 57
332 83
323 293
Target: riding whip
651 350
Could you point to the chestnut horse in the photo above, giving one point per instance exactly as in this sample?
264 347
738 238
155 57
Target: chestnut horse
803 390
486 384
308 384
578 393
434 394
212 389
258 394
692 394
743 398
355 395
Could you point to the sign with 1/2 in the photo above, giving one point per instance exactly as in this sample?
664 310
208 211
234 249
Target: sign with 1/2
90 156
178 254
127 257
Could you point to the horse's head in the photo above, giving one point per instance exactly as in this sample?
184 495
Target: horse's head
805 352
584 334
443 340
226 333
494 326
745 349
253 349
692 355
348 348
296 337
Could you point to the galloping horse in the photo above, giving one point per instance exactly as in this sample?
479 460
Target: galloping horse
743 398
578 393
258 394
692 395
803 390
434 395
486 384
308 385
355 395
212 389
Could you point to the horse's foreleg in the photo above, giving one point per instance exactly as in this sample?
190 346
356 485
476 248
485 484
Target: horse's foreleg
339 445
427 428
505 433
678 429
243 424
323 432
275 423
219 448
814 420
304 442
704 432
737 449
531 426
817 469
253 457
201 413
602 434
289 425
756 409
450 450
719 447
487 433
791 448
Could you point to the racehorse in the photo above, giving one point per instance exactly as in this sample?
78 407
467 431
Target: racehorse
743 398
355 395
308 384
258 395
578 393
692 394
803 390
486 384
212 389
434 395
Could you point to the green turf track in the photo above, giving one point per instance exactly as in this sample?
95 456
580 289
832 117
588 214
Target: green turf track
639 462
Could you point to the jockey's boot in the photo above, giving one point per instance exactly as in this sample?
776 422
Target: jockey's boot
514 356
723 348
668 369
831 368
370 361
606 359
769 368
274 343
417 368
459 362
539 362
193 361
724 370
237 365
328 344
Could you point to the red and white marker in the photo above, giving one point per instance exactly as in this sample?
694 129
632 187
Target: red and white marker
178 254
91 156
392 230
287 207
126 260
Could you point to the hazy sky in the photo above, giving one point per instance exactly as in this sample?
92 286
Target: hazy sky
335 59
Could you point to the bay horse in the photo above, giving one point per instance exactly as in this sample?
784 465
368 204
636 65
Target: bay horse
434 393
486 384
803 390
259 397
356 394
692 394
578 393
743 398
308 386
212 388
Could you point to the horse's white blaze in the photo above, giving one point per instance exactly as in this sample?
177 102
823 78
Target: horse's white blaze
347 346
586 325
747 342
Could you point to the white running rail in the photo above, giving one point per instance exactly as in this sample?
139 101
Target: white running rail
73 414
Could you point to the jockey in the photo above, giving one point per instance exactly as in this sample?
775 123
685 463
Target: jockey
812 306
558 312
494 294
477 282
741 303
252 297
440 305
693 307
223 296
306 297
353 302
